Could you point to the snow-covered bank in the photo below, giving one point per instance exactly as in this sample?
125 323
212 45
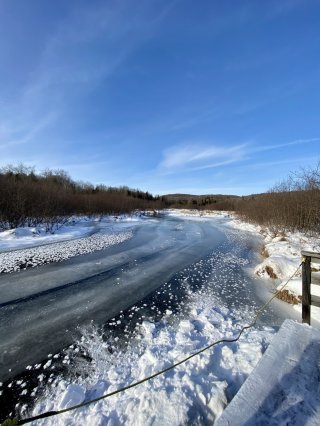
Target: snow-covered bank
75 227
196 214
23 237
282 255
33 257
62 242
195 392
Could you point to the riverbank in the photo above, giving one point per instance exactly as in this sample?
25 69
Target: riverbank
281 256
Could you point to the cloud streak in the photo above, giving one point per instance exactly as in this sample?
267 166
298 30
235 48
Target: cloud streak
197 157
193 157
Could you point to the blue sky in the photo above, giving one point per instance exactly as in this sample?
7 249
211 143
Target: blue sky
166 96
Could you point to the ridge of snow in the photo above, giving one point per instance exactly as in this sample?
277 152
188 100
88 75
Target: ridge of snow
33 257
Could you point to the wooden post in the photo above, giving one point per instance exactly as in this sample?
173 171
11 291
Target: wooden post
306 289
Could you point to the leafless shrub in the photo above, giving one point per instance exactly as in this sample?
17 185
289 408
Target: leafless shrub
288 297
291 205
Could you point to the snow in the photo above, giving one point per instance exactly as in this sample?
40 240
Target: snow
29 247
19 238
76 227
190 214
285 382
33 257
196 391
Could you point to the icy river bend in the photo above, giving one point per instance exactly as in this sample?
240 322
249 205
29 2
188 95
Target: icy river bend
63 325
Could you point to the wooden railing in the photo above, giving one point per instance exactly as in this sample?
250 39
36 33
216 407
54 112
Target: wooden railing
307 298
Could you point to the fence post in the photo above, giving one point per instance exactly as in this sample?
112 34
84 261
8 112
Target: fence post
306 289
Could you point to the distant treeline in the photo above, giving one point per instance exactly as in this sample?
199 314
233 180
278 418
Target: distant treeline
202 202
292 205
28 198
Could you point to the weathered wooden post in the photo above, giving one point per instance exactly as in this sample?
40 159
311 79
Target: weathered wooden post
306 289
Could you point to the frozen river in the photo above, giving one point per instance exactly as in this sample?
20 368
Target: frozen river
43 310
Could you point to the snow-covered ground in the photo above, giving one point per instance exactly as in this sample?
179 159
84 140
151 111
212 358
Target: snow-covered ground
76 227
63 242
18 238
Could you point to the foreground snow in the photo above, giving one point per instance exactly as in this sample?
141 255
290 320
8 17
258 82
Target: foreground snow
285 383
195 392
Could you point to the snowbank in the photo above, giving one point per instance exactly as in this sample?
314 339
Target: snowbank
33 257
76 227
79 236
194 214
22 237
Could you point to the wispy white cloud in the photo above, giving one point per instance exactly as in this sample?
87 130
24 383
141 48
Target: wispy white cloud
197 156
285 144
200 156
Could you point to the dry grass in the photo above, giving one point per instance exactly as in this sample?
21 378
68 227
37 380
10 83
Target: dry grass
271 272
288 297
